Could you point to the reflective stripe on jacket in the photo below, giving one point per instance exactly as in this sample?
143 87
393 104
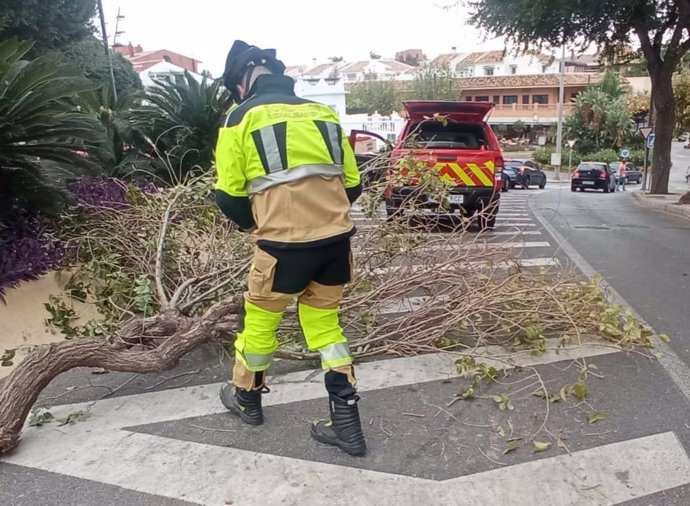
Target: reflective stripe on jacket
286 161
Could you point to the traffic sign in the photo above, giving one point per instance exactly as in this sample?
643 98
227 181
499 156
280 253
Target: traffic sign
650 141
571 143
646 131
625 153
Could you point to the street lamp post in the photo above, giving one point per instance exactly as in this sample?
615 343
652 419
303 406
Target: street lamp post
535 118
561 99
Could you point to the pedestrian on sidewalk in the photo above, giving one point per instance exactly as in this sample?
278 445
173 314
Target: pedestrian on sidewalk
287 174
622 174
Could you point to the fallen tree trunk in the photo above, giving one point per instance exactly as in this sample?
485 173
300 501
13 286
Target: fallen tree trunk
150 345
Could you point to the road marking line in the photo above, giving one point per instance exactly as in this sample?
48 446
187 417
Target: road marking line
471 246
603 475
96 450
508 264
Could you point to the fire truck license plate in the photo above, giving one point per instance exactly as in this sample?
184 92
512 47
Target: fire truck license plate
456 199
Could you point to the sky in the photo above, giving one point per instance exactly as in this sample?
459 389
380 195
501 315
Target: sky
300 30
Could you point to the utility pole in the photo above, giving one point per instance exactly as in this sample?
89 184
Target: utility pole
561 106
117 26
108 54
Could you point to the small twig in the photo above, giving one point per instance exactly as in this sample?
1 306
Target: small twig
384 430
241 269
453 401
415 415
490 459
440 409
47 399
120 387
479 425
172 378
211 428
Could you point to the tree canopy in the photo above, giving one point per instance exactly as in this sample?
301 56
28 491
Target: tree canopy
435 83
659 26
54 24
88 55
373 95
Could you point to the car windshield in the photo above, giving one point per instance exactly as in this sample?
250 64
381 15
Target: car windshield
591 166
452 135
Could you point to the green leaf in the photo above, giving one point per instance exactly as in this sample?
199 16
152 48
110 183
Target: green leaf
74 417
665 338
497 398
40 417
541 393
595 417
538 446
579 390
512 446
501 431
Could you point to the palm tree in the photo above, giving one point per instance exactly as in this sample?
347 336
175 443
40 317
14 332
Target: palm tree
44 136
178 124
117 154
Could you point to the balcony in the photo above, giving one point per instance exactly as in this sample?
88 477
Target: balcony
544 113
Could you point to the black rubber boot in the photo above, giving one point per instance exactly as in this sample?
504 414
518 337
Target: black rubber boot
344 428
244 403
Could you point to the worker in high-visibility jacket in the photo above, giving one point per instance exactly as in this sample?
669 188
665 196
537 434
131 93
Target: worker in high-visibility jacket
287 174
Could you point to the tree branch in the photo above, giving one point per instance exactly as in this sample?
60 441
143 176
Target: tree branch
162 297
213 289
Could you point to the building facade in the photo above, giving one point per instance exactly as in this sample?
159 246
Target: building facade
528 98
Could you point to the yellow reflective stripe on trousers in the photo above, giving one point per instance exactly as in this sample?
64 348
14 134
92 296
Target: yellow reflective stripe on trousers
266 181
335 355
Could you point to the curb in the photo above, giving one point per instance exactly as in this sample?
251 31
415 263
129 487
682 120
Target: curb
675 209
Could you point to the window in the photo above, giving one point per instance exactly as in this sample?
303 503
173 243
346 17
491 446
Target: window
513 69
540 99
351 77
510 99
468 98
525 99
481 99
488 71
497 99
465 71
452 135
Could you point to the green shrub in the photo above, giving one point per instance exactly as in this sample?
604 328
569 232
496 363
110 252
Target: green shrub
542 155
604 155
637 157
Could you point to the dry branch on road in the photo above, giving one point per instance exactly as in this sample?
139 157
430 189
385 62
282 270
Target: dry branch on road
167 275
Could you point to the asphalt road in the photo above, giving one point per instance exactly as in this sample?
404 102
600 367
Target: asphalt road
643 254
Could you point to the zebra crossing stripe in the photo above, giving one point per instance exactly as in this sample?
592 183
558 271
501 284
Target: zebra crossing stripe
522 262
187 470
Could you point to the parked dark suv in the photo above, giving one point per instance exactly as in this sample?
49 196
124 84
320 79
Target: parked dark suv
593 175
634 174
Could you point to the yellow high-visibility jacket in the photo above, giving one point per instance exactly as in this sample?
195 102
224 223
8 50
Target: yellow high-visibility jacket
285 168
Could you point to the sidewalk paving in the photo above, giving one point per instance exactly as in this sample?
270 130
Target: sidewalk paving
666 203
